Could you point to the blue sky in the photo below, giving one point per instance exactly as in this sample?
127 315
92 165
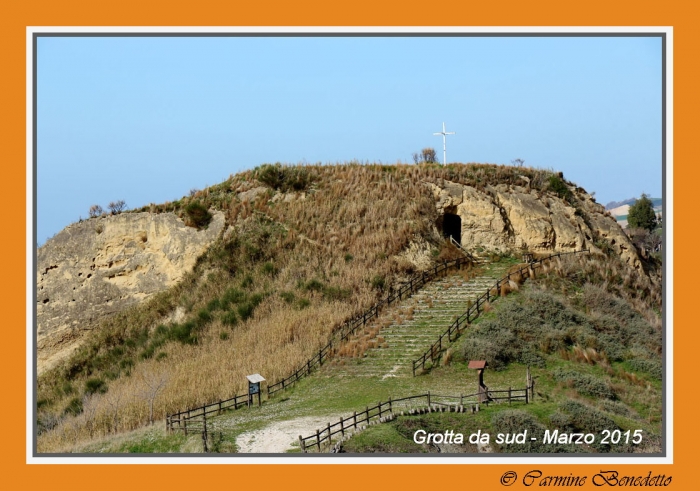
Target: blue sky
146 119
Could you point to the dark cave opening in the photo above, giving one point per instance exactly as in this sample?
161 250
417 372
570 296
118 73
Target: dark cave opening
452 226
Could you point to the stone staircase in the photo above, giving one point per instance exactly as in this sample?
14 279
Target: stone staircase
386 347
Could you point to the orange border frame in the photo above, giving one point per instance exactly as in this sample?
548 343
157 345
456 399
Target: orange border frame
360 12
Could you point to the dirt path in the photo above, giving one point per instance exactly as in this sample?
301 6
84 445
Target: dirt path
279 437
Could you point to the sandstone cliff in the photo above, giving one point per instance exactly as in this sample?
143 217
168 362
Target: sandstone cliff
510 218
102 265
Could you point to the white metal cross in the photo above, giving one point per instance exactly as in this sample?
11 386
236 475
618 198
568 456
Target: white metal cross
444 143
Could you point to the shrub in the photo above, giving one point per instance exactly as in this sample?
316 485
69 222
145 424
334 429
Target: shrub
269 269
245 310
74 407
95 386
283 178
197 215
556 184
313 285
183 333
230 318
247 281
652 367
213 305
203 317
426 155
95 211
232 295
287 296
116 207
378 282
585 384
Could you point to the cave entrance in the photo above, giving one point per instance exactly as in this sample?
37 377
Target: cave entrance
452 227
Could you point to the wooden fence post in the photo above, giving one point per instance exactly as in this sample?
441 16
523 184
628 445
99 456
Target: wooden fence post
354 419
342 427
302 445
509 395
318 440
428 398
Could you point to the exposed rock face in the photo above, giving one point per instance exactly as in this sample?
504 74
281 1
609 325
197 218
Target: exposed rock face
102 265
508 218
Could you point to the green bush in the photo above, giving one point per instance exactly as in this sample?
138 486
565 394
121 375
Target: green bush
230 318
652 367
557 185
232 295
184 333
269 269
95 386
313 285
283 178
287 296
74 407
584 384
197 214
378 282
245 310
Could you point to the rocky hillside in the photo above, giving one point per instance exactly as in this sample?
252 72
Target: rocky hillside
101 266
290 253
511 218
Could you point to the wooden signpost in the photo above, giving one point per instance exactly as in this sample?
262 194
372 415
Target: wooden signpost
254 387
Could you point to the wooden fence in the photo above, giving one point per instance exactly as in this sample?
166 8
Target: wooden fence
388 409
177 420
434 352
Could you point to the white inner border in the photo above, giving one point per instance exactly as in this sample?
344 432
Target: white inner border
668 226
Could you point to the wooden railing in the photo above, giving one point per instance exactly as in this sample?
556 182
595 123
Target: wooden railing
177 421
324 436
434 352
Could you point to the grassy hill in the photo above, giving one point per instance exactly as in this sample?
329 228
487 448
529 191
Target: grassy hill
307 248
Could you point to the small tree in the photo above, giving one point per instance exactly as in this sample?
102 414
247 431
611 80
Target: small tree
95 211
426 155
642 215
429 155
517 162
117 207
